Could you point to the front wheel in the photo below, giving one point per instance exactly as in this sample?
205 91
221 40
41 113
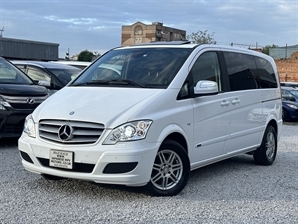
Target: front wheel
266 153
284 115
170 170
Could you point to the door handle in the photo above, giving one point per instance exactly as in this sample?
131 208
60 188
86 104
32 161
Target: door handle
235 101
224 103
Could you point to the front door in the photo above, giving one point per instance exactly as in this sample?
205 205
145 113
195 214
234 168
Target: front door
211 113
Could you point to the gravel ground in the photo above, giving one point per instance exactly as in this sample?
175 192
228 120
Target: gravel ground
232 191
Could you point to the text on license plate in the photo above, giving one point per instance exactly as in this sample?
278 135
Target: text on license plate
62 159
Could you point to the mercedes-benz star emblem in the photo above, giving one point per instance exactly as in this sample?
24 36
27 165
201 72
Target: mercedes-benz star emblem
30 101
65 132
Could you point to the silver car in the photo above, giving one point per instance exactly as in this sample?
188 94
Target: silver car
56 75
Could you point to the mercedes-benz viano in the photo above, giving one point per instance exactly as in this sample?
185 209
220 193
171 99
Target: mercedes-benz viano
146 115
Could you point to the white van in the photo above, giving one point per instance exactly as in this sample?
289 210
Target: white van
153 113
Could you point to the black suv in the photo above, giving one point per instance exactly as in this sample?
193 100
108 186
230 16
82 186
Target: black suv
19 96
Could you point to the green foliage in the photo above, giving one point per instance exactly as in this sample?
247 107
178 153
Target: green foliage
86 56
265 49
201 37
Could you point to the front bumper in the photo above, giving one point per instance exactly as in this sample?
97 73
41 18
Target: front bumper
291 113
127 163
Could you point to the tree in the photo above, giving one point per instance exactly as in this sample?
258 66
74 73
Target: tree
265 49
201 37
86 56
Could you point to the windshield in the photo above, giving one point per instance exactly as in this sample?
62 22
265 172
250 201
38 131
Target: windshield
9 74
65 75
294 92
138 67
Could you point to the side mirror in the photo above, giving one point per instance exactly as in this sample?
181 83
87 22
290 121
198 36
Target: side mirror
44 83
206 88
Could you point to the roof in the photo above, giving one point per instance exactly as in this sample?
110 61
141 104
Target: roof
44 64
188 44
165 43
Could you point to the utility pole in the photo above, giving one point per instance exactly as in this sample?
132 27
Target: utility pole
286 62
1 31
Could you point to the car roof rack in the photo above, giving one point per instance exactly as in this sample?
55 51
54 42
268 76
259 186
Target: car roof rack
174 42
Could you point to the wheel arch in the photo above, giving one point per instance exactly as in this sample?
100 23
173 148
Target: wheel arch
175 133
179 138
273 123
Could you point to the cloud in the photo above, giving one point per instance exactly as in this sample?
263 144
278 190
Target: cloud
96 24
75 21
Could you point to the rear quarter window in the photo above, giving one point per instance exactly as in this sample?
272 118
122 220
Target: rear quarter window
266 75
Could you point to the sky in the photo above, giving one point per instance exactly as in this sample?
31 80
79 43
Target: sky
95 25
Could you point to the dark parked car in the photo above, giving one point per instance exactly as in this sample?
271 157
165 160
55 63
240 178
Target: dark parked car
57 74
289 84
19 96
289 103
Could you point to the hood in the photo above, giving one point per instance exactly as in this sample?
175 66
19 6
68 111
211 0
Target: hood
22 90
290 102
109 106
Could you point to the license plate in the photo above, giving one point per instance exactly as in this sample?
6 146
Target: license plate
61 159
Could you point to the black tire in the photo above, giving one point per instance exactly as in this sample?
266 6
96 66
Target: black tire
51 177
266 153
165 180
284 115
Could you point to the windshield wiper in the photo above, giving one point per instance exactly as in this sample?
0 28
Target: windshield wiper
94 82
110 82
125 82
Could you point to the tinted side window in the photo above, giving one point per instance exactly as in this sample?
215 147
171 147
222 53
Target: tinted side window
22 67
265 73
207 68
242 71
38 75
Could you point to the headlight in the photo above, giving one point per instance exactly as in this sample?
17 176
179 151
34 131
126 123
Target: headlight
292 106
131 131
3 104
29 126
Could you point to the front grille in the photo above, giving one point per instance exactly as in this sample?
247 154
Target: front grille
77 167
24 106
21 102
80 133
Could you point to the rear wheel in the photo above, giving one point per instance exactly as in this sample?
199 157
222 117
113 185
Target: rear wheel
170 170
266 153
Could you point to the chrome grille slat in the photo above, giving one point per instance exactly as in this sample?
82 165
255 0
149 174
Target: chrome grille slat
23 99
82 132
49 129
72 141
21 102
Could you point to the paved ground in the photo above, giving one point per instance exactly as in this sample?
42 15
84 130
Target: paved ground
232 191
